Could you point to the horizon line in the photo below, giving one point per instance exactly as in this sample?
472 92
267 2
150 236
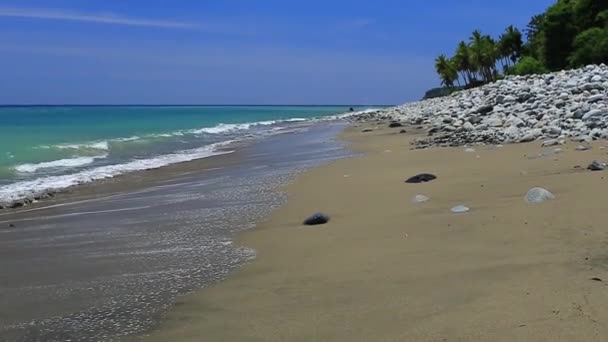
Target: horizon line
194 105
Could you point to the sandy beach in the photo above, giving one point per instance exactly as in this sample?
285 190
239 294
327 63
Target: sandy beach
388 269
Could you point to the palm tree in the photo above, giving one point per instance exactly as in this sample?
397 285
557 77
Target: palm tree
461 62
514 42
483 55
476 56
446 71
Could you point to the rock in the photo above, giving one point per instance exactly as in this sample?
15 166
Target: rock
469 150
421 178
367 130
475 120
402 131
592 113
468 126
595 98
395 125
509 99
494 122
512 131
528 138
583 139
316 219
539 195
596 166
459 209
10 225
552 142
420 199
582 148
564 104
485 109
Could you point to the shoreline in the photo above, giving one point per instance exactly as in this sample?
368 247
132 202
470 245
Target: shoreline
29 181
385 268
106 260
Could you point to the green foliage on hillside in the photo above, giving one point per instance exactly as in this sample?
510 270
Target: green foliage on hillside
570 34
529 66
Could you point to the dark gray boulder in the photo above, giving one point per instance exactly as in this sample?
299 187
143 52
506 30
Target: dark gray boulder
316 219
596 166
421 178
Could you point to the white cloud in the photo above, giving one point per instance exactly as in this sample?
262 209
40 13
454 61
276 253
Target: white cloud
103 18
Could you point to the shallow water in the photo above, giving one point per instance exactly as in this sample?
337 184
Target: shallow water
52 148
110 266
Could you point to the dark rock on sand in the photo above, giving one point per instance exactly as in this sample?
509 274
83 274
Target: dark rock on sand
10 225
367 130
316 219
402 131
395 125
16 205
596 166
421 178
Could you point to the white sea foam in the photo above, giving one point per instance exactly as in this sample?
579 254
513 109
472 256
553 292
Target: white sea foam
99 145
221 128
61 163
226 128
19 190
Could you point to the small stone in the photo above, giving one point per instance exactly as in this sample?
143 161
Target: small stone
459 209
402 131
395 125
582 148
367 130
10 225
316 219
420 199
596 166
552 142
421 178
469 150
538 195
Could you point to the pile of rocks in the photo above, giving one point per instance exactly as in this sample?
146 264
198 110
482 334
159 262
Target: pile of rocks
560 105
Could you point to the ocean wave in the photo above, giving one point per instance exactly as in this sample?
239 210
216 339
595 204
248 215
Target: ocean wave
222 128
98 145
31 188
227 128
61 163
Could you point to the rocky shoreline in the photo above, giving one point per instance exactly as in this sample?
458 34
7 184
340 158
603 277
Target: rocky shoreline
570 104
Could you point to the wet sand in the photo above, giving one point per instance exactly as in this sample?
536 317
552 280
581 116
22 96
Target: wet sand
107 259
388 269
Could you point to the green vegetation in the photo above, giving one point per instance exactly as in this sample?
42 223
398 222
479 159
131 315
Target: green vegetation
570 34
440 92
529 66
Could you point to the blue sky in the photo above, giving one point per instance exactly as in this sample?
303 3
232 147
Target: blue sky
235 51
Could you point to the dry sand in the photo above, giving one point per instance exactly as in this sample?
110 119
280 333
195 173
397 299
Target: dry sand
388 269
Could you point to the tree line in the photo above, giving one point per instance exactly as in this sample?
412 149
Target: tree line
569 34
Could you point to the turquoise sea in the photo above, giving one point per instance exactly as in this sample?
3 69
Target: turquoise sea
52 147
